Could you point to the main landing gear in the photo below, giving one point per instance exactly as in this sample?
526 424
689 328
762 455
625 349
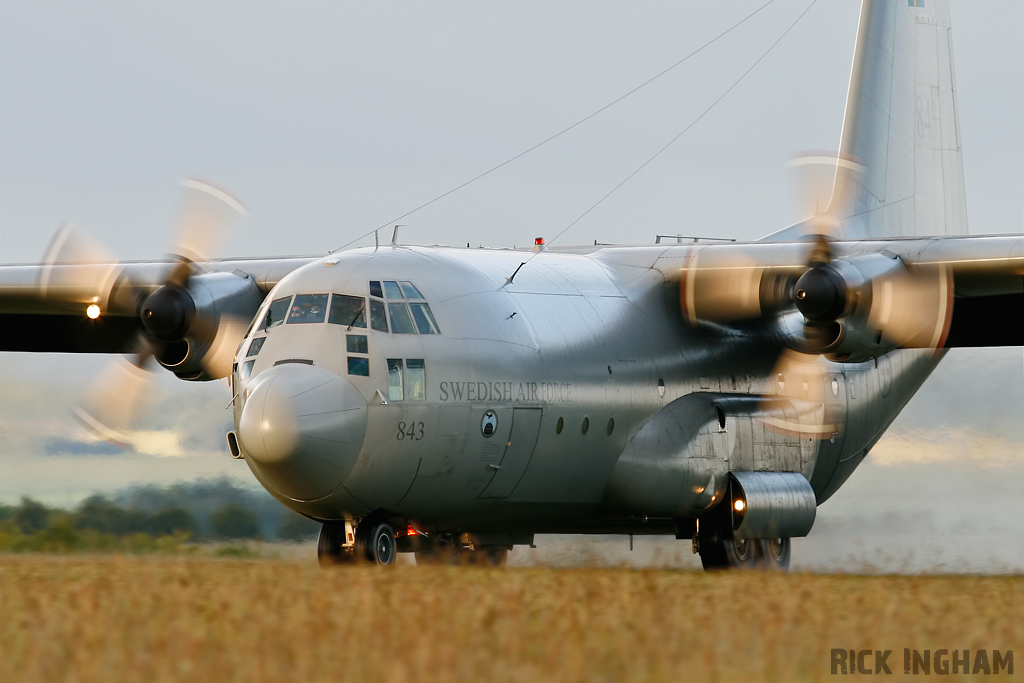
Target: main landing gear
742 553
720 549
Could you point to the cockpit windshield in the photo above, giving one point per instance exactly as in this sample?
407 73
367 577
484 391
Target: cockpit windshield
308 308
349 311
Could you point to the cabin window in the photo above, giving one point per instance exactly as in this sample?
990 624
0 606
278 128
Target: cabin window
395 384
276 313
401 322
417 378
255 345
359 366
349 311
308 308
356 343
378 319
375 289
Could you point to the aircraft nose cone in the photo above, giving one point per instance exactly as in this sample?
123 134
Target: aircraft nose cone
301 430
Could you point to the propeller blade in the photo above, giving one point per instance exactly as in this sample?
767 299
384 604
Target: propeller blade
913 308
801 378
210 212
719 287
76 267
110 403
217 361
826 188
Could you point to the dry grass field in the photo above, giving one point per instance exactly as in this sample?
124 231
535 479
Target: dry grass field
115 618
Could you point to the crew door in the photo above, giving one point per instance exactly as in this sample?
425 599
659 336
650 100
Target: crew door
518 450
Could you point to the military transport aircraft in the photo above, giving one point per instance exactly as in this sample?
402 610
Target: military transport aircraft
455 402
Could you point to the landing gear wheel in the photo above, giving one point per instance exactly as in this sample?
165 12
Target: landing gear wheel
776 554
740 553
380 545
732 553
330 550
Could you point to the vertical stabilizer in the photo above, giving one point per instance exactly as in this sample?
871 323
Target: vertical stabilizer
901 125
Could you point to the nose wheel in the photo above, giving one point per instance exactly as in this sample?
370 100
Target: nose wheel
374 542
330 546
378 545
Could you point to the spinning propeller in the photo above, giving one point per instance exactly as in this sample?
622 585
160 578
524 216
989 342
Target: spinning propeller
853 307
191 323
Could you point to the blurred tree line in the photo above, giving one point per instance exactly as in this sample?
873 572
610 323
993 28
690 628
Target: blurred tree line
152 518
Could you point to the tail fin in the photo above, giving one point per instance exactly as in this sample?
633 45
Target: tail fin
902 125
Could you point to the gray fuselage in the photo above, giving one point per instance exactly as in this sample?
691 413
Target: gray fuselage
532 394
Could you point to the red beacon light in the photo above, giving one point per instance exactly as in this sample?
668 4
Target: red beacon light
538 244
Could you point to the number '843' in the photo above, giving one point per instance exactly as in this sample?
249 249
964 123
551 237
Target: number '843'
413 431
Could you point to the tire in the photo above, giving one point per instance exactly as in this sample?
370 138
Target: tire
330 549
771 554
381 548
776 554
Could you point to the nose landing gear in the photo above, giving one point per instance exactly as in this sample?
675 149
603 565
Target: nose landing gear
373 541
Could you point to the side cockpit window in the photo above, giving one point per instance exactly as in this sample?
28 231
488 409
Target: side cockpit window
276 313
409 314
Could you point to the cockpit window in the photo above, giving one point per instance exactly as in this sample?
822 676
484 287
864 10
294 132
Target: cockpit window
395 384
406 318
378 319
417 378
410 290
401 323
349 311
308 308
425 322
255 345
276 312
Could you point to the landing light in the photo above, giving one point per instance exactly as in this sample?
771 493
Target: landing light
739 505
93 311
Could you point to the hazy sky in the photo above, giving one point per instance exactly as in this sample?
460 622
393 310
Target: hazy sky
330 119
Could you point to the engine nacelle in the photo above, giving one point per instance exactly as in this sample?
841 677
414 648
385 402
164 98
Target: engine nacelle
837 301
197 320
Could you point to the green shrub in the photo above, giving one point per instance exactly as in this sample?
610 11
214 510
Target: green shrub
234 521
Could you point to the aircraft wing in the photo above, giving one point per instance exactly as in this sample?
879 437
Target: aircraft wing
43 307
971 286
